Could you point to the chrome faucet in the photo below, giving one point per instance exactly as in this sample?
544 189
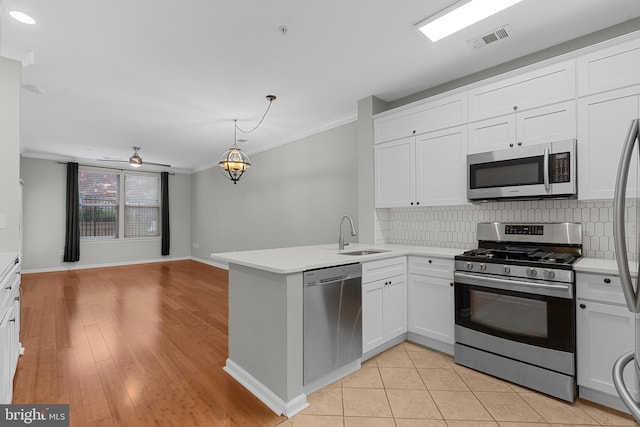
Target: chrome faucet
341 240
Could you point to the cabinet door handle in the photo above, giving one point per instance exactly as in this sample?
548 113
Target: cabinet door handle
511 145
429 261
583 306
451 284
607 280
515 108
12 320
16 299
519 143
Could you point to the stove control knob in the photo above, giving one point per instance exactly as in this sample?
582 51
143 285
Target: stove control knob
469 266
506 269
483 267
549 274
532 272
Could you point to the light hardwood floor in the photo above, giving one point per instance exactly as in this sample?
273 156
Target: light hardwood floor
131 346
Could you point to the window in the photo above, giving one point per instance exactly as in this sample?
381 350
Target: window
141 206
99 195
110 202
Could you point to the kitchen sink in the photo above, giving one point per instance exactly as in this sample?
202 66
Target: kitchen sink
364 252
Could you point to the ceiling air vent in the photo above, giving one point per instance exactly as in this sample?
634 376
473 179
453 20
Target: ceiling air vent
495 35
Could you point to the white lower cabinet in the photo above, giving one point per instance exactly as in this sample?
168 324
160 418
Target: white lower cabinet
5 358
431 302
384 302
605 331
10 347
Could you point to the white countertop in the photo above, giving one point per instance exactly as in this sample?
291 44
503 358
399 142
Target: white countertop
301 258
601 266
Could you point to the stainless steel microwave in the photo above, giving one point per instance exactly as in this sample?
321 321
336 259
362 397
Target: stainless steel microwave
527 172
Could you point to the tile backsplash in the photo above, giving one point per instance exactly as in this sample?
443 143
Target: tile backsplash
455 226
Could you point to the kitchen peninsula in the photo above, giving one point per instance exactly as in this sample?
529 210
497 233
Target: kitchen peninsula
266 318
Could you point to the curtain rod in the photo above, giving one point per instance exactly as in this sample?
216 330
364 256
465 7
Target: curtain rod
113 169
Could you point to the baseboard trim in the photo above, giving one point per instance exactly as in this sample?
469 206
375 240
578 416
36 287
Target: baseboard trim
386 346
602 398
430 343
262 392
109 264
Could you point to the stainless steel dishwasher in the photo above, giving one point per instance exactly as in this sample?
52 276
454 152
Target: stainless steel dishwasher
332 319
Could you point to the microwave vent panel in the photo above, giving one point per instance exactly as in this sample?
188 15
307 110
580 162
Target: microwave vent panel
493 36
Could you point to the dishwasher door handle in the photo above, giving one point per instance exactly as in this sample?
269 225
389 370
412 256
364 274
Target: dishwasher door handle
335 279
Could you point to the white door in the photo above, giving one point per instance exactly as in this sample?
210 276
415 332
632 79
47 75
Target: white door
603 122
547 124
604 332
395 173
395 307
492 134
372 315
441 172
431 309
6 375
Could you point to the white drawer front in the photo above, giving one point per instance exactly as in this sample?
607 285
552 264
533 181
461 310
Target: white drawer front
385 268
599 287
430 266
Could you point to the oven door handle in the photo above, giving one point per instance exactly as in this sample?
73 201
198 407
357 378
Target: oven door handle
561 290
619 233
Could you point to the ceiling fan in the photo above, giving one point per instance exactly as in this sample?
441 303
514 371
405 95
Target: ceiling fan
135 160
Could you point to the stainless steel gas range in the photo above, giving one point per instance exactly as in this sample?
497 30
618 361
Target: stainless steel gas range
515 305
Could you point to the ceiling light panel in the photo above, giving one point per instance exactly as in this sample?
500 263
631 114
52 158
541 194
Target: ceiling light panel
22 17
461 16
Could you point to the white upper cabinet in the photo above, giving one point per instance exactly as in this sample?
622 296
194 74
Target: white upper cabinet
441 173
545 124
395 173
492 134
603 122
427 170
439 114
548 85
609 68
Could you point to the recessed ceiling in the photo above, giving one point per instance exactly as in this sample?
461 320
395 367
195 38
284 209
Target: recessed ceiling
171 77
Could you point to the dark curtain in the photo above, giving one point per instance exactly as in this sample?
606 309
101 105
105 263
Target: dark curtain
166 235
72 236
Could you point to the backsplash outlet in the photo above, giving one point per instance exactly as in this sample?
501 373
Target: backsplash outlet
455 226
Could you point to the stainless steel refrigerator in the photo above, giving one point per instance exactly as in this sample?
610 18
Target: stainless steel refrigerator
631 295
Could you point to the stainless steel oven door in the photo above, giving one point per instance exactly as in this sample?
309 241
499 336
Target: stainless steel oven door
537 313
542 170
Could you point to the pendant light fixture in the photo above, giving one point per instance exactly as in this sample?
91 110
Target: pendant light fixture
234 163
135 160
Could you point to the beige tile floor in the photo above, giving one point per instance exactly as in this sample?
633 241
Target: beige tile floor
410 386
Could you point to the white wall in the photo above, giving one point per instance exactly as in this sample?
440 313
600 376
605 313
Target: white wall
9 153
44 223
293 195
